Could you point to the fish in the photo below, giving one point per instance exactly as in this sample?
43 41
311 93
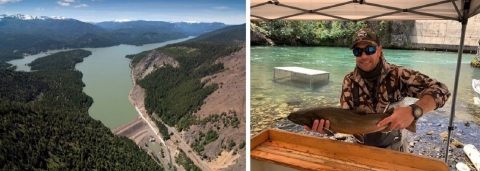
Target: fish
345 121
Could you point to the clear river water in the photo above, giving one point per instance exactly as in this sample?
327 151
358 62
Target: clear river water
106 74
266 94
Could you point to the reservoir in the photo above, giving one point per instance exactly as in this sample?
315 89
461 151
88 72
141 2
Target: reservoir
106 74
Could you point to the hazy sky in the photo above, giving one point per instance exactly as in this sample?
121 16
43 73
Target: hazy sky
226 11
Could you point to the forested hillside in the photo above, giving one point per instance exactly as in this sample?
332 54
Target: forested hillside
190 29
197 87
19 36
180 91
326 33
228 35
60 61
45 123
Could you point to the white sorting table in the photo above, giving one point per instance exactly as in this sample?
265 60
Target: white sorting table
302 74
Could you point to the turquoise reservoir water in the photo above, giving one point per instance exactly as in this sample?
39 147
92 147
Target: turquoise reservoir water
265 93
106 74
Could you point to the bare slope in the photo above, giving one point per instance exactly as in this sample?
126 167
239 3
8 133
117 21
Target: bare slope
229 98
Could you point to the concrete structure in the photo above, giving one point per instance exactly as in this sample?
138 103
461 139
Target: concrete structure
445 35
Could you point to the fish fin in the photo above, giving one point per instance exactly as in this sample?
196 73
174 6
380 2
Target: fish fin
359 138
412 127
328 131
390 111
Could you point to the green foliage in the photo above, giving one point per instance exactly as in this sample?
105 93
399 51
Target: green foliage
228 35
60 60
203 140
44 125
185 122
211 136
310 32
174 93
229 146
37 137
242 145
183 160
230 119
163 130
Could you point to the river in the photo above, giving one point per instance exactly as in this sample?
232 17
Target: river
106 74
272 100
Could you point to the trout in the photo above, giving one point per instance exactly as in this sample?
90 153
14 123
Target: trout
345 121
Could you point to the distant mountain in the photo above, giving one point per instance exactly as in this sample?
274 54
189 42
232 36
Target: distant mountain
29 17
196 29
25 34
57 28
143 25
229 35
190 29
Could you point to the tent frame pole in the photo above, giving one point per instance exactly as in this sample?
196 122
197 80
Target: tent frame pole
455 87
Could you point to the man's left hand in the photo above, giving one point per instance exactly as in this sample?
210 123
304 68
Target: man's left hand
400 119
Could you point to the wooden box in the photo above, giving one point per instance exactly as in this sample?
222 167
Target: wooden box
275 149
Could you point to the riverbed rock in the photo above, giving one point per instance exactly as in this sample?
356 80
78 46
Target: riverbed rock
259 96
457 143
284 114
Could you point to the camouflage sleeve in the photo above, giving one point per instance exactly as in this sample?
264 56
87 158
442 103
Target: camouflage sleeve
416 84
346 98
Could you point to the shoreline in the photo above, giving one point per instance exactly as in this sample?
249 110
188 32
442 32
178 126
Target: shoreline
430 48
140 109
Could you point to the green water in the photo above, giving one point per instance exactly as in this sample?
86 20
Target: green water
340 61
106 74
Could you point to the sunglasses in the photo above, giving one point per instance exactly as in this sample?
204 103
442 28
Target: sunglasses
368 50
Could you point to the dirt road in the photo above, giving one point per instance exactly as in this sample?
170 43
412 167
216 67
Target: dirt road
186 148
182 145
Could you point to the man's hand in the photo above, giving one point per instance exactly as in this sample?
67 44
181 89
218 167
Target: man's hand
318 126
400 119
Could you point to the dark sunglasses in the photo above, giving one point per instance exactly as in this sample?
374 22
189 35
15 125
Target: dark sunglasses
368 50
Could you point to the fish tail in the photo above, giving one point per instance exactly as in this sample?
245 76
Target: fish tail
412 127
360 138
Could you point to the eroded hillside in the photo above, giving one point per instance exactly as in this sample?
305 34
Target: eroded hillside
216 134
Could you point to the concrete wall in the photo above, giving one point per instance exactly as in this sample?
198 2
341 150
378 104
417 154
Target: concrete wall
445 35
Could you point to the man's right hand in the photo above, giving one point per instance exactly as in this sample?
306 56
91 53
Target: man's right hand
318 126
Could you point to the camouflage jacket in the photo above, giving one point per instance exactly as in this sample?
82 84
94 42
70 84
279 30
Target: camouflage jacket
404 82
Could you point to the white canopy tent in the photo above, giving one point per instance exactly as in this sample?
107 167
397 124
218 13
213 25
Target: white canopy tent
354 10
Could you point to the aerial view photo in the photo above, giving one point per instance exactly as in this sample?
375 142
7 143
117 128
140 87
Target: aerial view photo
122 85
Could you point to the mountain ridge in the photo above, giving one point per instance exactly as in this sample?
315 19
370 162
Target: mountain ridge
21 35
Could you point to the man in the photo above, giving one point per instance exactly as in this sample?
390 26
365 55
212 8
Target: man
375 84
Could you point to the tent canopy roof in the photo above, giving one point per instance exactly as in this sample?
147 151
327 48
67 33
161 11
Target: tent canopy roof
459 10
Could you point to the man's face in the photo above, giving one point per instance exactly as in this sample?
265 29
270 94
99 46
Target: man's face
368 62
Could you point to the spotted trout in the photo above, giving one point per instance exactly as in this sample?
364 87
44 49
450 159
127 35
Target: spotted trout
344 121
